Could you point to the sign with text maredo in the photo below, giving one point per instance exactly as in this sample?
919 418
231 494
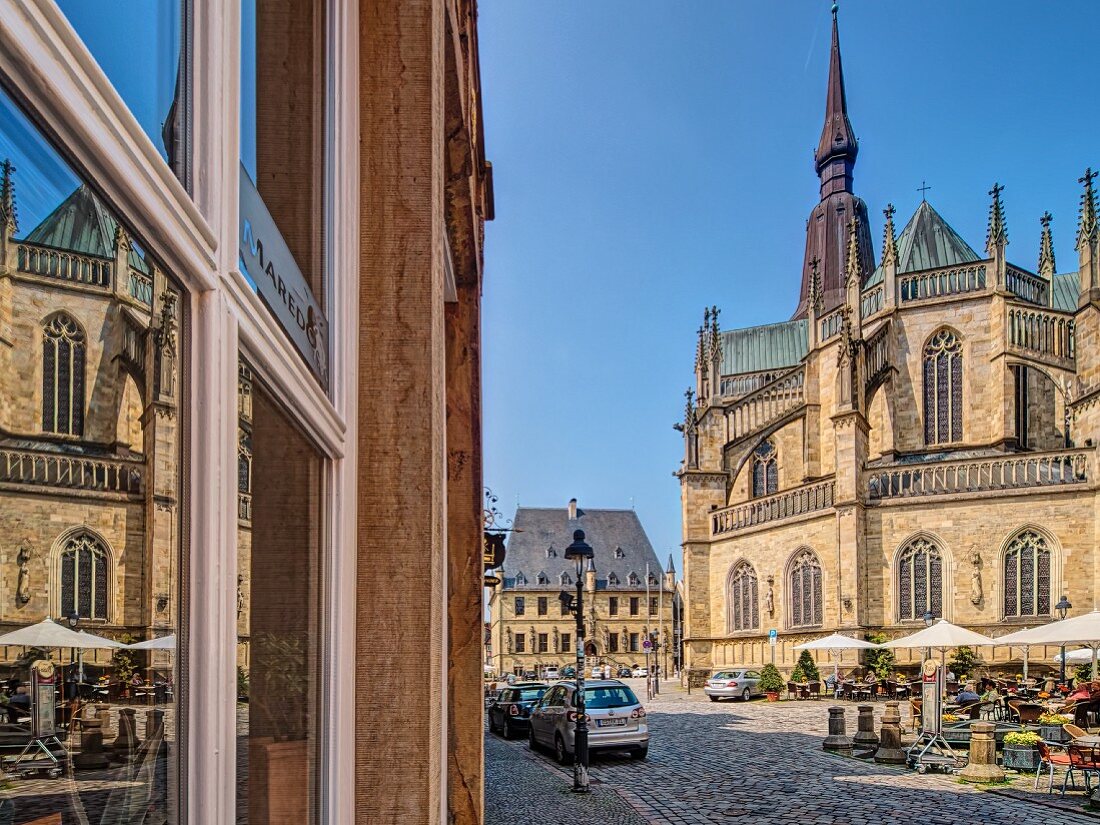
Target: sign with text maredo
280 282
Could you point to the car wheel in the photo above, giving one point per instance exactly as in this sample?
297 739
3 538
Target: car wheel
640 753
560 753
746 695
506 729
532 743
713 698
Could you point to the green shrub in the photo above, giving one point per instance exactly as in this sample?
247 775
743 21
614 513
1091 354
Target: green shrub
809 668
770 680
1083 673
798 674
880 661
1023 738
964 662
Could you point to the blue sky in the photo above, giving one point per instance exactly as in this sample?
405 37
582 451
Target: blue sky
652 158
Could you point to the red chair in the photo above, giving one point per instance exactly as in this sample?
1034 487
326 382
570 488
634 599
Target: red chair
1048 758
1085 759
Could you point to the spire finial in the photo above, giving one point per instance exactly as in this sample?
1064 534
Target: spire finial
853 268
7 195
1046 248
923 189
1087 227
815 283
715 349
889 239
838 142
997 233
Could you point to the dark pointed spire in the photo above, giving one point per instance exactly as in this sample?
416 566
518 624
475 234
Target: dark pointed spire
889 237
1046 248
853 267
671 567
1087 227
997 232
7 195
838 147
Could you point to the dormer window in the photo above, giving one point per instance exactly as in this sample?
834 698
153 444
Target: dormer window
634 580
543 579
551 553
652 580
619 553
612 578
520 580
566 578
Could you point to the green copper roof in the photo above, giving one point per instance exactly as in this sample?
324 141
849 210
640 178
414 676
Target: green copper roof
768 347
82 224
1066 288
928 242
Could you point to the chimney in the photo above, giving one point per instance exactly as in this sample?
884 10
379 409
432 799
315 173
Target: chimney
572 509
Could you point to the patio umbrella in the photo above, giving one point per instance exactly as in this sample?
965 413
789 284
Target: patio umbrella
941 635
1079 630
161 643
48 633
834 644
1082 655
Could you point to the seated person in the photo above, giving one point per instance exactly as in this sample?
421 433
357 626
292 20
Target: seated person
968 695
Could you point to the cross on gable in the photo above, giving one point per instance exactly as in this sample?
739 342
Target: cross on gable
923 189
1089 176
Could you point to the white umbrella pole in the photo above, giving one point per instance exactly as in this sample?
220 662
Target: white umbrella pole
1026 649
1094 663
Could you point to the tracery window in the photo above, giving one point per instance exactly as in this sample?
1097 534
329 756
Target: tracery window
943 389
920 580
84 577
765 470
805 590
63 352
1027 575
244 461
743 613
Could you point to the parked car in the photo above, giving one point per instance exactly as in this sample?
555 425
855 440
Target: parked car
616 719
737 683
569 672
550 674
639 672
624 672
511 710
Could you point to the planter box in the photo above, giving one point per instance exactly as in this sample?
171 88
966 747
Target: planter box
1024 758
1053 733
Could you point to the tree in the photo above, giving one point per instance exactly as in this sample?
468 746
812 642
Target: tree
770 680
880 661
808 667
964 662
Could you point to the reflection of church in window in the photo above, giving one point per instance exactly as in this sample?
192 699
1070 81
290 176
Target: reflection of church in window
89 428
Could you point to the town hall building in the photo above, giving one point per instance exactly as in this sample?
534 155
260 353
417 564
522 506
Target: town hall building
919 438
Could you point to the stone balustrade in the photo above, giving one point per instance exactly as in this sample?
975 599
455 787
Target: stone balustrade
809 498
1011 472
1023 284
872 301
830 325
141 287
105 475
1042 331
736 386
938 283
64 265
766 405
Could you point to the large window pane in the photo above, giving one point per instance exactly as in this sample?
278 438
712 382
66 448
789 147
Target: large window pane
91 417
279 614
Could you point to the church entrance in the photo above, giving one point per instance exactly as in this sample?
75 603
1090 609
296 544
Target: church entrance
589 649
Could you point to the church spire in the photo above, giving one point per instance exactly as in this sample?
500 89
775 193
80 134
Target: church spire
889 237
837 149
1087 227
997 231
7 197
1046 248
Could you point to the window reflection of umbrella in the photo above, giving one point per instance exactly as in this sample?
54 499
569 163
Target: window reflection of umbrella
48 633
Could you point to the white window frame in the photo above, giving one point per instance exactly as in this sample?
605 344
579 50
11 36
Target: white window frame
49 67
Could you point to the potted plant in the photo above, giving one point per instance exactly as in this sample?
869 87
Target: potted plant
808 666
771 682
1021 752
1050 727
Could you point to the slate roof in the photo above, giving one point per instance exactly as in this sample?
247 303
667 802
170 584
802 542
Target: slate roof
1066 289
82 224
768 347
539 529
928 242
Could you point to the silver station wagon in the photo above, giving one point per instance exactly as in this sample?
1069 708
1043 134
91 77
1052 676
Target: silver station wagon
616 719
734 683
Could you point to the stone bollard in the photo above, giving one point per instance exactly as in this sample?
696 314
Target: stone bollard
91 753
983 765
889 750
154 724
865 734
127 741
103 714
837 740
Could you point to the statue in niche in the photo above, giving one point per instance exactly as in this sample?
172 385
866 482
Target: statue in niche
557 639
23 584
240 594
509 640
534 640
976 577
165 339
607 638
769 597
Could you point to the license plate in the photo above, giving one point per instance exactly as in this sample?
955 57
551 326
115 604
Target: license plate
610 723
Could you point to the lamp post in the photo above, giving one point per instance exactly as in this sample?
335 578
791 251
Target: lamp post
1062 607
580 552
73 619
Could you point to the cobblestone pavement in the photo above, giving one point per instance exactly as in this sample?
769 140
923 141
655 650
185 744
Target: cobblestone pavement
713 762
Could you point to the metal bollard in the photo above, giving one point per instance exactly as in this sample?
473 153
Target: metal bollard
889 750
865 734
983 765
837 740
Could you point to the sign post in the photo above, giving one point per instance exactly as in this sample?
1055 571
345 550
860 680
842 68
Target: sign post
773 637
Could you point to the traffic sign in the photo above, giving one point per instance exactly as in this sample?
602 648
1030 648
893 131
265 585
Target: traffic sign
647 644
773 635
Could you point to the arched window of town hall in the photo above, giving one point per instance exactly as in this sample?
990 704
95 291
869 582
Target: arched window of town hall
765 470
805 590
1027 575
920 580
742 598
943 388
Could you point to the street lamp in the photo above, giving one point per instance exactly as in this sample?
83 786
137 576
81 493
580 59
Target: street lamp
73 619
1063 607
580 552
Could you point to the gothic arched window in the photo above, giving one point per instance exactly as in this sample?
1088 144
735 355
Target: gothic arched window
765 470
943 377
920 580
804 585
244 461
742 598
63 351
1027 575
84 577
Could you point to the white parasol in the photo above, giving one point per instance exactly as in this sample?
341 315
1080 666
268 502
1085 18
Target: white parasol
834 644
161 643
942 635
1082 630
48 633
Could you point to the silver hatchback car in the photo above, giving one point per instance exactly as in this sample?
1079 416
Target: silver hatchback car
616 719
734 683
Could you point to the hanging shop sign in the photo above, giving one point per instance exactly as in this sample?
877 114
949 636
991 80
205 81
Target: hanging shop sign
278 280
